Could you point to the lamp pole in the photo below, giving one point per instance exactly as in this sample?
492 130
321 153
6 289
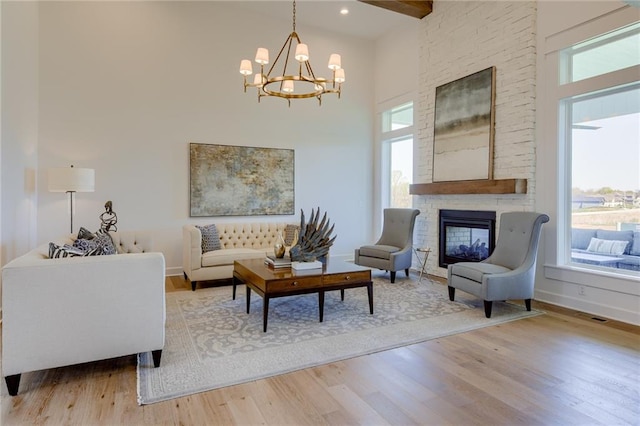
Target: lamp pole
71 208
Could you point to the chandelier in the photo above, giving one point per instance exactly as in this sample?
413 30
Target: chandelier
300 84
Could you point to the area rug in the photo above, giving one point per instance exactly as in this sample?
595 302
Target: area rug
211 342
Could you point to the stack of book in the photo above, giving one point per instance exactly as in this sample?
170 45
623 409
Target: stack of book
276 262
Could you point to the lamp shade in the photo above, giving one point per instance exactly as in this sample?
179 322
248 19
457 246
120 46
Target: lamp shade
66 179
335 62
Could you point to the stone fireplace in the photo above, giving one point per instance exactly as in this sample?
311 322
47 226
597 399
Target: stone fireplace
465 236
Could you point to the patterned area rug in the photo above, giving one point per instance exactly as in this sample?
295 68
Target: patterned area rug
211 341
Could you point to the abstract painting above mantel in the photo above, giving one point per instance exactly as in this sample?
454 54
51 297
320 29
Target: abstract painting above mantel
464 128
230 180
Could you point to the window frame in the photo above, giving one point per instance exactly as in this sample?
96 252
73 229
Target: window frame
550 127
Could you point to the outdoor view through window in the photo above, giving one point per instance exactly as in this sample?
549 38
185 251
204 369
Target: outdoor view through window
398 122
604 146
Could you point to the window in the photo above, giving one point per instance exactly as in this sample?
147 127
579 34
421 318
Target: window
600 135
397 155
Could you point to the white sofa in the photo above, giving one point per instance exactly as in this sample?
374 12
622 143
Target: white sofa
65 311
238 241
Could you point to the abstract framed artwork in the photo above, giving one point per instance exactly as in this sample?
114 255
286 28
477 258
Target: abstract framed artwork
230 180
464 128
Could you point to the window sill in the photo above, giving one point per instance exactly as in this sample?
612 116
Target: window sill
611 281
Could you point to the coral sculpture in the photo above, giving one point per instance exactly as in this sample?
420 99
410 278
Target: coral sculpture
314 240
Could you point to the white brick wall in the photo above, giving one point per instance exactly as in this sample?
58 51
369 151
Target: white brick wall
458 39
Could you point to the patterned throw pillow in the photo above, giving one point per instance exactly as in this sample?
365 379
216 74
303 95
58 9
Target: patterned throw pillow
290 232
84 234
56 252
104 241
210 238
85 244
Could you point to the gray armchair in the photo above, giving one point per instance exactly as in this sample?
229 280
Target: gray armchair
509 273
392 252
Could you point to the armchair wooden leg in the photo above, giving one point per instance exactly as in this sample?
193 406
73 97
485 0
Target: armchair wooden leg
487 308
406 271
156 357
527 303
393 276
193 285
452 293
13 382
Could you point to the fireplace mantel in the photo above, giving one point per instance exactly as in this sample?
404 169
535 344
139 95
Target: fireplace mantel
483 186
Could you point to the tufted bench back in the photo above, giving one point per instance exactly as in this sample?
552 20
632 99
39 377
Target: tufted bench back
249 235
132 241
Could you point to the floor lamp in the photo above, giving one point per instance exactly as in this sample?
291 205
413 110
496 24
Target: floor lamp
71 180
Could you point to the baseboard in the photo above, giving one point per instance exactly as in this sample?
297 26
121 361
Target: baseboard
173 271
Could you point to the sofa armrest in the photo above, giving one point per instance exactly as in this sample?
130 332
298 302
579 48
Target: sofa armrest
191 249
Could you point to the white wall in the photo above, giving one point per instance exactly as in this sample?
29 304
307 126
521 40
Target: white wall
396 75
124 87
561 24
458 39
19 128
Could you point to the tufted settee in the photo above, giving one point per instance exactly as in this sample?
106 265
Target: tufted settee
581 240
71 310
237 240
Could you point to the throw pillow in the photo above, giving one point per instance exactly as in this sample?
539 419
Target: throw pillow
290 232
56 252
104 241
607 246
85 244
210 238
84 234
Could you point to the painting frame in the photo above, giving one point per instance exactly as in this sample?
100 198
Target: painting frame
231 180
464 128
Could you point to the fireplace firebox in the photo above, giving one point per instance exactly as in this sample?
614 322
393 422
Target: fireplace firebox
465 236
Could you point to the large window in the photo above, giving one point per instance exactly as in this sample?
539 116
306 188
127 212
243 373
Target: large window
397 155
601 133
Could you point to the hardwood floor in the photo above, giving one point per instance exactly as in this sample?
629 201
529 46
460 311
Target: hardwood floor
562 367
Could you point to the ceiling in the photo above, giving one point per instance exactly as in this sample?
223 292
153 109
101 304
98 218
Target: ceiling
364 20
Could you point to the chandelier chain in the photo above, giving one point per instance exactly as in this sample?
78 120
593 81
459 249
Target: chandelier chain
294 16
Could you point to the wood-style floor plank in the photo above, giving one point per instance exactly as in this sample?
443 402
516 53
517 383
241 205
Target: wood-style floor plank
562 367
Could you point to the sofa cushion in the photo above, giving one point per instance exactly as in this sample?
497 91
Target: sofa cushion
607 246
228 256
580 238
210 238
617 236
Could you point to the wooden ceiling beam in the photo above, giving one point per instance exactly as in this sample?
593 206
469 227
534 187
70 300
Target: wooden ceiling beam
416 8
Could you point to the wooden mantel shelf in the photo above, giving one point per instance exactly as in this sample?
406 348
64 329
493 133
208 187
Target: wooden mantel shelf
484 186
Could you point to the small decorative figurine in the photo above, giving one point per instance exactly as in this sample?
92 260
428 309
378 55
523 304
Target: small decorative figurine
109 218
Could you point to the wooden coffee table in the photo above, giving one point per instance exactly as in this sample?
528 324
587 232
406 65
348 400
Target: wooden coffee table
270 283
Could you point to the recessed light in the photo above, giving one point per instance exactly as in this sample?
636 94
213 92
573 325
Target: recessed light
344 11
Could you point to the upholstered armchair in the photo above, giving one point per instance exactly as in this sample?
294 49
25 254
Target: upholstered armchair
509 273
392 252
